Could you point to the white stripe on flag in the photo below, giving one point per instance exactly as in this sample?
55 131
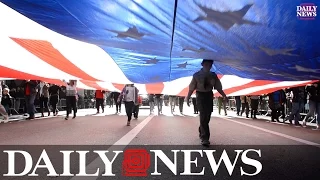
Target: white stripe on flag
230 81
89 58
265 87
15 57
176 86
142 88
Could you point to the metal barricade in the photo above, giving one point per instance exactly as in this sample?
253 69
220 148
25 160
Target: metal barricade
12 108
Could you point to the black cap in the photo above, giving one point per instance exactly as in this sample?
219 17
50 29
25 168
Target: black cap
207 60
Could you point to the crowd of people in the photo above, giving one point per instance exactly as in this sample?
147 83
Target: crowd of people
285 104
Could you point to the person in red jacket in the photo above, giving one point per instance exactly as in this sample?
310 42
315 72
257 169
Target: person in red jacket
99 100
136 108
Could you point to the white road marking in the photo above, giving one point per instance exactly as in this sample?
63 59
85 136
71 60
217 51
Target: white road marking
121 144
277 133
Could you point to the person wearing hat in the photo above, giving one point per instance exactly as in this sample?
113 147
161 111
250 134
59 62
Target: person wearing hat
203 83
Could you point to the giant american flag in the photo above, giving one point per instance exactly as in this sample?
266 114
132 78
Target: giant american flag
38 40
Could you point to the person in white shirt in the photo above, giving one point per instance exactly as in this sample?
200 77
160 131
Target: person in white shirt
71 98
129 95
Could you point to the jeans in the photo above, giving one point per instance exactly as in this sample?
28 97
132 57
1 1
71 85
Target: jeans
7 108
44 104
136 111
71 103
245 107
159 104
318 112
99 103
221 104
151 104
17 105
205 106
129 109
295 113
30 104
238 104
312 109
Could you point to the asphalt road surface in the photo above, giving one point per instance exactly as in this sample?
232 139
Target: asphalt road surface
154 132
166 129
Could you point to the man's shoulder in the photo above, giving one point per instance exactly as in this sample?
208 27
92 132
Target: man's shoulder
197 73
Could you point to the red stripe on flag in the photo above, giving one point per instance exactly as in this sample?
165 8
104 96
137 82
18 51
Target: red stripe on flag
46 52
154 88
118 86
248 85
92 84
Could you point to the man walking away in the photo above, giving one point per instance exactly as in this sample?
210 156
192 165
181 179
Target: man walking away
71 99
312 92
172 100
254 106
159 101
136 108
195 107
115 96
43 89
130 97
298 101
151 103
275 100
181 102
245 105
238 104
203 82
222 103
54 91
99 95
317 99
30 92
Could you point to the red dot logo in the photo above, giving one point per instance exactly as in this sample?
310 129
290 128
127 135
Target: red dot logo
136 162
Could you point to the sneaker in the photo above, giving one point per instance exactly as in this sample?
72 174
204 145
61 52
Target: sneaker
5 117
128 123
304 124
297 124
66 118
